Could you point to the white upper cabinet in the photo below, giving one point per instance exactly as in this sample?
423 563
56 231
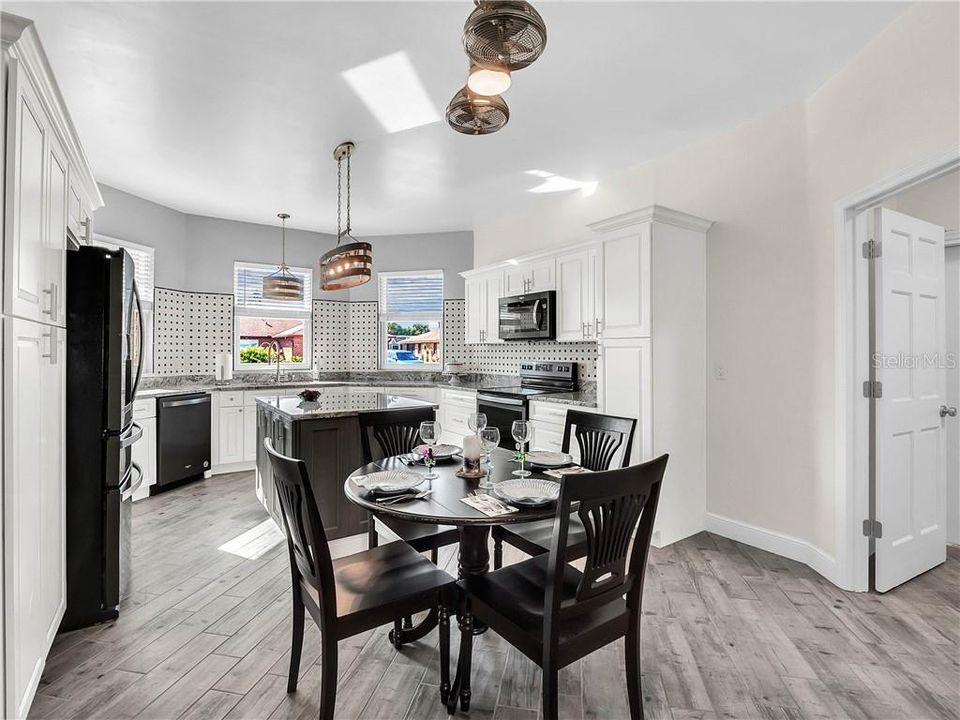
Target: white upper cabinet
626 285
529 277
53 306
579 293
482 300
25 257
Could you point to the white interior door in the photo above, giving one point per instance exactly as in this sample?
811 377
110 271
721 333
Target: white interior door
953 393
909 362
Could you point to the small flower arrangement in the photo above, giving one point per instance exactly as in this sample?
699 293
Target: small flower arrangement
520 456
308 395
426 454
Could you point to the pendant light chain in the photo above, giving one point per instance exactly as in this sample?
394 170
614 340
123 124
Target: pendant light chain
348 193
339 163
348 264
283 242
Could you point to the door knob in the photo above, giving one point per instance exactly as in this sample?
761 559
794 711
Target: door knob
944 411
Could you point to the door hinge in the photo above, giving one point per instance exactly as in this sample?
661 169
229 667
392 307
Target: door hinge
873 529
872 249
872 389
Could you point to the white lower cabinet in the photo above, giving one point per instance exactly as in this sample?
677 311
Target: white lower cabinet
230 435
455 408
34 549
144 451
624 388
250 433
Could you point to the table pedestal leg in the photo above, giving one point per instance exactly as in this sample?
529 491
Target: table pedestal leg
474 559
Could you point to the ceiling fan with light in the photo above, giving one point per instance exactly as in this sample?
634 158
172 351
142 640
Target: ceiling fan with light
499 37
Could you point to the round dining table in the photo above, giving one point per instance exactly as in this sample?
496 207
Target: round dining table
443 506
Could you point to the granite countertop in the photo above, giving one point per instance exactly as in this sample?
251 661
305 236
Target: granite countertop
581 398
338 402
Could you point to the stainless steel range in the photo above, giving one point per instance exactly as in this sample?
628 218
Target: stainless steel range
503 405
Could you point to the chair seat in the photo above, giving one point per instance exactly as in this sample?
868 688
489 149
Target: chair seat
534 538
390 580
420 536
511 601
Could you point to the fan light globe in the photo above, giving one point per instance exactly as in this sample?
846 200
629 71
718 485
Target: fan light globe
488 81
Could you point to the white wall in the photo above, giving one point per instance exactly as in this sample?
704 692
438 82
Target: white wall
197 253
770 186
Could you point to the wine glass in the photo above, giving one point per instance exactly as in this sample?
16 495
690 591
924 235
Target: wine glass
430 433
521 431
477 421
489 440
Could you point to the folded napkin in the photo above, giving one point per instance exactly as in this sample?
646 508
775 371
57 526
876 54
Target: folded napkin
558 473
488 505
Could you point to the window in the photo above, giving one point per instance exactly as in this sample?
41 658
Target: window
411 320
143 267
264 325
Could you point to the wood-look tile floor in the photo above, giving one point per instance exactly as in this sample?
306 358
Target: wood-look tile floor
729 632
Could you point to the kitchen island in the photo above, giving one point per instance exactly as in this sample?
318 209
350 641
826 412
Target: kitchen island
326 435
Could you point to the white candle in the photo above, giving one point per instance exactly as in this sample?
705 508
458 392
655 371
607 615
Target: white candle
471 447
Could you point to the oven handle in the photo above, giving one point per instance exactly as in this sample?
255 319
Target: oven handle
496 400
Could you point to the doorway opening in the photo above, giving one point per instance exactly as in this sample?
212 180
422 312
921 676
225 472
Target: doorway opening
924 189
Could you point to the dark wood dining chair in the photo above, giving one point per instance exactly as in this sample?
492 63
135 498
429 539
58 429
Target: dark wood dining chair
387 434
555 614
352 594
602 439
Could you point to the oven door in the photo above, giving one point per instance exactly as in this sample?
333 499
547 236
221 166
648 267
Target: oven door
501 412
528 317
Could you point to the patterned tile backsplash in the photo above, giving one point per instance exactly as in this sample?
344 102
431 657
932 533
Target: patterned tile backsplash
193 329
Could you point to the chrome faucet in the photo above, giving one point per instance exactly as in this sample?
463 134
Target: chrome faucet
275 346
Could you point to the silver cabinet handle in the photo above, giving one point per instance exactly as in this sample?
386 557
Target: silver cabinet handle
53 347
598 324
945 411
52 292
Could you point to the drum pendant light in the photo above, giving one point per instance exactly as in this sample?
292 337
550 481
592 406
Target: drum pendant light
348 264
283 285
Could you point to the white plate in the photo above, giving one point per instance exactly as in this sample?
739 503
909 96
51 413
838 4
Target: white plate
547 459
527 491
388 481
441 451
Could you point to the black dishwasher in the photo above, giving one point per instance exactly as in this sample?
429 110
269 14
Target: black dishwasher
183 439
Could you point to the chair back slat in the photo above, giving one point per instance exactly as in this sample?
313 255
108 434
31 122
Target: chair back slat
610 505
601 438
306 538
385 434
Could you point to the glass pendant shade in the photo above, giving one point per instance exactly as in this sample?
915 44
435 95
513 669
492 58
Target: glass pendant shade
488 80
283 285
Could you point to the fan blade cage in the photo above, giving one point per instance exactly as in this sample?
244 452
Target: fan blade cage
472 114
504 33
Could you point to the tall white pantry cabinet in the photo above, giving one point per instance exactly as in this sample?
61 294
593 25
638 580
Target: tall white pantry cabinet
48 196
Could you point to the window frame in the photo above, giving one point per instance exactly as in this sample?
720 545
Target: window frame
268 311
383 318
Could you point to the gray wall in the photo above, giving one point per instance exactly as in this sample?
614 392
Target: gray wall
195 252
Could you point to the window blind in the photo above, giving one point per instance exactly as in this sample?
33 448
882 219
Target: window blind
248 288
411 295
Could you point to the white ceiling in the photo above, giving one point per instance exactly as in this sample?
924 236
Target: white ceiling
233 109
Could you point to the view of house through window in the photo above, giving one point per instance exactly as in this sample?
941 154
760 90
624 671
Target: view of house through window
264 325
259 338
411 319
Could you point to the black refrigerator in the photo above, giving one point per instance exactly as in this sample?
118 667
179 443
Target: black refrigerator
104 363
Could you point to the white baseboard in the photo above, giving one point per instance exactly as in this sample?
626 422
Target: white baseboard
775 542
233 467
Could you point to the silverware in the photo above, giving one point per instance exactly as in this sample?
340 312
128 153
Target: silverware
402 498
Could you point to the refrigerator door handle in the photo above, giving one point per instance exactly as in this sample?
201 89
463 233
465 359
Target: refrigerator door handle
131 485
132 435
136 382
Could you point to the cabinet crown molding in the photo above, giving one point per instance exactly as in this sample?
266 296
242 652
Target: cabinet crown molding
651 213
20 40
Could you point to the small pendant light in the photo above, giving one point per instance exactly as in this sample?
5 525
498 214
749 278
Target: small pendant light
283 285
349 264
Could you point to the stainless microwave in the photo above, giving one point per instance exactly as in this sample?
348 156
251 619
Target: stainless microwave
529 317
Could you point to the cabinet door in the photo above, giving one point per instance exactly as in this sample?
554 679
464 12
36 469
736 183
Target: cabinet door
24 252
541 275
475 320
75 215
573 293
249 433
626 285
230 434
55 245
595 291
493 291
515 280
624 388
33 504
